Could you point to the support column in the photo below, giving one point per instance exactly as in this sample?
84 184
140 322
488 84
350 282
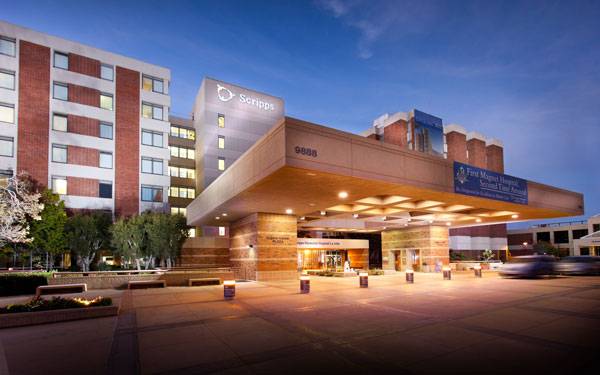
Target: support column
263 247
431 241
456 140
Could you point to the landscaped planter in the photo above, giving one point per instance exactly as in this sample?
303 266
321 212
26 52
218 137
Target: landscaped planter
54 316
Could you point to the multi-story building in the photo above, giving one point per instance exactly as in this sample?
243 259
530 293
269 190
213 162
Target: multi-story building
182 165
90 124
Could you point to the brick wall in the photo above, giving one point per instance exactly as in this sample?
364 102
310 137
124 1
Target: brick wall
34 110
495 158
84 65
127 141
83 156
477 153
84 95
396 133
83 125
84 187
457 146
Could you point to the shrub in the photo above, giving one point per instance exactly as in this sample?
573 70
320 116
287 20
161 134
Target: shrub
17 283
376 272
56 303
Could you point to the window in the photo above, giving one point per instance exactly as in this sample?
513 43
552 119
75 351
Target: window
543 237
5 174
59 185
151 193
60 91
106 101
152 111
7 113
7 146
181 192
61 60
153 166
578 233
182 152
221 231
221 141
7 79
561 236
59 122
595 227
178 210
181 172
106 130
105 189
8 46
221 120
152 84
221 165
107 72
152 138
59 153
191 231
106 160
176 131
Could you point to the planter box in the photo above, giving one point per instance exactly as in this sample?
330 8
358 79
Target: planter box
54 316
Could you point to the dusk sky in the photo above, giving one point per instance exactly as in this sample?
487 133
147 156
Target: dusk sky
527 73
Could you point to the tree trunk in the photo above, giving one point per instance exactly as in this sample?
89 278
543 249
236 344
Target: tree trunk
137 264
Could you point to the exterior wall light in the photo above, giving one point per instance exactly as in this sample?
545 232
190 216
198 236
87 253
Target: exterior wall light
323 213
229 289
410 276
448 223
478 220
515 216
304 284
363 279
224 214
477 270
447 272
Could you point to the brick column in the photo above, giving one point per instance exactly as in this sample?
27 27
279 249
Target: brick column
263 247
476 150
395 133
494 155
456 140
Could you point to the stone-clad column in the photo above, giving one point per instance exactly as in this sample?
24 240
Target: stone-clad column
263 247
431 241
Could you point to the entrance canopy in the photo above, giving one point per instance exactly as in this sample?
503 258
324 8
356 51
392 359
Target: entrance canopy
333 180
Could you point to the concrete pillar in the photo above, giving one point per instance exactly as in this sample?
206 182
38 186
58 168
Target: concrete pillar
431 241
494 155
395 133
456 141
263 247
476 150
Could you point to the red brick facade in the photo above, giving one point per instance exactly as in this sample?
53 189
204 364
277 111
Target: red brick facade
477 153
495 158
127 139
457 147
396 133
34 110
84 95
83 156
83 187
83 125
84 65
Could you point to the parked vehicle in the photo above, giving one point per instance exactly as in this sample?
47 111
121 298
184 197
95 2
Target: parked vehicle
579 265
529 266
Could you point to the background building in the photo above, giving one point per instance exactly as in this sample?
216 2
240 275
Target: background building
90 124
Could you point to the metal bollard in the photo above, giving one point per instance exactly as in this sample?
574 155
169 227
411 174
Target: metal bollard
410 276
229 289
477 270
447 271
304 284
363 278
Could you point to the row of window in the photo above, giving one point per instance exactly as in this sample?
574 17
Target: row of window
7 146
61 61
181 172
7 79
59 155
221 141
182 192
60 91
182 152
60 122
184 133
59 186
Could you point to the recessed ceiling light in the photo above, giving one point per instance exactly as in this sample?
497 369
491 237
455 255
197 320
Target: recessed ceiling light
311 174
323 213
384 228
430 221
312 204
343 194
224 214
289 211
515 216
217 218
384 218
409 219
405 224
302 217
478 220
355 216
448 223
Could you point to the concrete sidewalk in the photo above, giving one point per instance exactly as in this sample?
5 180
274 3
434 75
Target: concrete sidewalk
465 325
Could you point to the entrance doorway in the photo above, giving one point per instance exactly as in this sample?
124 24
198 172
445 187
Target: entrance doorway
407 259
323 260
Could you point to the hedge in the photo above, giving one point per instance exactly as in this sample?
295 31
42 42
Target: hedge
56 303
18 283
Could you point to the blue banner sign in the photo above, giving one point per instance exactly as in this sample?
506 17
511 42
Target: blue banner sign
428 134
482 183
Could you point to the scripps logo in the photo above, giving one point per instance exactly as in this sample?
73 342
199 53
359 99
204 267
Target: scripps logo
225 95
461 175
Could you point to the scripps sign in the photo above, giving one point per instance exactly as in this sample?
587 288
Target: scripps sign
483 183
225 94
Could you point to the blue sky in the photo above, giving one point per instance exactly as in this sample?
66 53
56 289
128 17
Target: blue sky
527 72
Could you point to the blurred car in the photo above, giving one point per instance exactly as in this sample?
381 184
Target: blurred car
529 266
579 265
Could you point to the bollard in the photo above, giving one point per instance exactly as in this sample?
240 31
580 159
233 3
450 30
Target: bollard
410 276
447 273
363 278
229 289
477 270
304 284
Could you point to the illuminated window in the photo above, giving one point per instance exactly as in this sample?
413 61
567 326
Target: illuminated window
221 165
153 84
7 146
59 122
221 231
7 79
221 120
221 141
107 72
173 191
7 113
181 172
178 210
192 232
59 185
106 101
61 60
8 46
59 153
60 91
182 152
152 111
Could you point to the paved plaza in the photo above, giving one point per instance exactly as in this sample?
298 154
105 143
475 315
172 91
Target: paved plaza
466 325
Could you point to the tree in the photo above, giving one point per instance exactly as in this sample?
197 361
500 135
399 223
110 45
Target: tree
19 205
129 239
86 235
544 247
48 234
166 235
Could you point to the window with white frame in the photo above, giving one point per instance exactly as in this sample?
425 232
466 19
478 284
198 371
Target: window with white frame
59 122
106 101
221 142
221 164
59 153
60 91
153 84
151 138
7 113
152 111
152 166
61 60
7 79
7 146
106 160
59 185
106 130
107 72
8 46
